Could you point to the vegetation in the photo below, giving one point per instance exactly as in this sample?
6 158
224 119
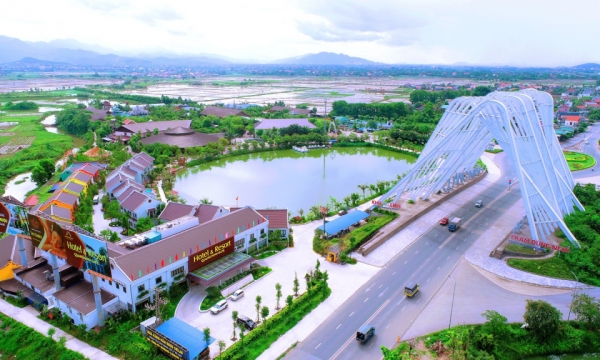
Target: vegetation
20 106
579 161
84 213
258 340
516 248
42 172
584 262
74 120
18 341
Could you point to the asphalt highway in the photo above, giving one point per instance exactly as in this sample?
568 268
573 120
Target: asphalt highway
381 302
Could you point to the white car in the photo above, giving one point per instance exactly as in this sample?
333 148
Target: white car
220 306
238 294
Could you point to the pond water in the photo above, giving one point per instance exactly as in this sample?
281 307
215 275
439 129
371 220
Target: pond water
287 179
594 356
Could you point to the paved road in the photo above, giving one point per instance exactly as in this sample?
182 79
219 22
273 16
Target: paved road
591 148
381 302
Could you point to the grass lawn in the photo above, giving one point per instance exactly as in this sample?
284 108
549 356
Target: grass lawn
265 254
554 267
520 249
209 302
579 161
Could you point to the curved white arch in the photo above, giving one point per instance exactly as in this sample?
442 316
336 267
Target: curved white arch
522 124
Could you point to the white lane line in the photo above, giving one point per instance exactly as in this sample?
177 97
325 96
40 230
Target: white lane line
384 291
448 258
380 286
318 346
457 248
403 308
417 252
366 300
428 280
405 262
439 267
351 314
464 240
427 243
338 326
394 273
388 326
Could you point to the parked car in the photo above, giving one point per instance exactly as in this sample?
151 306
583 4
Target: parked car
444 221
238 294
342 212
479 203
247 322
220 306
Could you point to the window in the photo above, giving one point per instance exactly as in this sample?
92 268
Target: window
117 284
124 289
177 271
251 236
109 282
262 231
103 280
141 288
239 243
159 279
283 233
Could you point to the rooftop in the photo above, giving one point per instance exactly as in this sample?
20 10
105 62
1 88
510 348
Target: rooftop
182 138
267 124
80 297
151 125
222 112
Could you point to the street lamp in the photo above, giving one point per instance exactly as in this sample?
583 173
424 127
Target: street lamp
571 306
452 307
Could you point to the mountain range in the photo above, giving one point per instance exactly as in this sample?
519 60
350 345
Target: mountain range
72 52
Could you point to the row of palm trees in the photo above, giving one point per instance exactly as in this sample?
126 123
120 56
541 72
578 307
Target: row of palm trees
379 187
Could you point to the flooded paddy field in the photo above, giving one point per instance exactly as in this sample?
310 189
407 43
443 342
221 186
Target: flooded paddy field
50 83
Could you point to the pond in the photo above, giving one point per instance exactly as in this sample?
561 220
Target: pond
287 179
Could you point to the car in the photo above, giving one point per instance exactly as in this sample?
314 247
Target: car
238 294
220 306
444 221
479 203
246 321
365 333
342 212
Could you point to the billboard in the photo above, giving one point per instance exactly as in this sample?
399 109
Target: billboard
210 254
167 346
81 251
13 219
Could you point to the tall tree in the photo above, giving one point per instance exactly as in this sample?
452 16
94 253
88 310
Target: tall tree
543 319
278 294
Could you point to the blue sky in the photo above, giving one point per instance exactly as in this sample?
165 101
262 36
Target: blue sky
507 32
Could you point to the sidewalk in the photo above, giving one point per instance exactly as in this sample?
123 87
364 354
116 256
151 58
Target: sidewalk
397 243
27 316
161 192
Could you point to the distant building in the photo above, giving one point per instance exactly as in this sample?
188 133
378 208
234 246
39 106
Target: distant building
182 138
267 124
222 112
125 131
293 111
139 111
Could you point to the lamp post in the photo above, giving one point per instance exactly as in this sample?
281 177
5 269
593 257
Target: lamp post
452 307
571 306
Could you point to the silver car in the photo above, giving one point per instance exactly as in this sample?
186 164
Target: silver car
220 306
479 203
238 294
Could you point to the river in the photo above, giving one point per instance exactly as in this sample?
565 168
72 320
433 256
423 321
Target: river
287 179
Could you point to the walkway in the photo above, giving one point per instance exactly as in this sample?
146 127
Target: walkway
161 192
28 316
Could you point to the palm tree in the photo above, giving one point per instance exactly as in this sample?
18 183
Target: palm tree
315 210
348 201
301 213
363 187
206 201
278 294
372 189
257 306
234 316
222 346
355 197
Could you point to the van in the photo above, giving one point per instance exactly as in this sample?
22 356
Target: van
365 333
96 199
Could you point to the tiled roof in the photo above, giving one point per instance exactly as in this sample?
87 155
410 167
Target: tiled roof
151 125
73 186
152 257
175 210
90 169
144 156
81 176
125 170
222 112
36 277
133 201
126 184
58 211
282 123
571 118
183 141
80 297
128 191
119 178
278 218
64 197
206 213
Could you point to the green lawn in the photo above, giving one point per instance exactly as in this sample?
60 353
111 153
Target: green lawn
209 302
554 267
520 249
579 161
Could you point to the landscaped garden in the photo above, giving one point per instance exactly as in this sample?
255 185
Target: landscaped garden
579 161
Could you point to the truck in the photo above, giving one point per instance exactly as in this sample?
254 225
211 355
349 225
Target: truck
454 224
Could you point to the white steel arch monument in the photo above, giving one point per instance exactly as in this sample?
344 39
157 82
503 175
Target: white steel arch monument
522 124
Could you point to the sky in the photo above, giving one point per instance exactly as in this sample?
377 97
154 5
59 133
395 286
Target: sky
482 32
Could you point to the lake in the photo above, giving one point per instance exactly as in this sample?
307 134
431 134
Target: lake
287 179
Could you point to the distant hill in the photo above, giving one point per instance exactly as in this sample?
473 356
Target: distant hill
326 58
587 66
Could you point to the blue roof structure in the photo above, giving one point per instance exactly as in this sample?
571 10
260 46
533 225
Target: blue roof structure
185 335
343 222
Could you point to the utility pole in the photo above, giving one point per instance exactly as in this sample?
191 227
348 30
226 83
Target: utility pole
452 307
571 306
158 302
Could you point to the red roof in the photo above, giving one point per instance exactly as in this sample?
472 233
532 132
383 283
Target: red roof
32 200
128 121
572 118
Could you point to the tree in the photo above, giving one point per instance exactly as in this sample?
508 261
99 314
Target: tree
109 235
48 167
278 294
206 201
222 346
363 187
39 175
206 335
481 91
113 210
587 310
495 324
242 331
296 284
543 319
372 188
301 213
144 224
289 300
264 313
234 317
355 197
257 306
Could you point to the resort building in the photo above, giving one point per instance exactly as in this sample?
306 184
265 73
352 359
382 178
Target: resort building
267 124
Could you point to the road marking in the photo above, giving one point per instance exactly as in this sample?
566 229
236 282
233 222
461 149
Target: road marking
351 314
380 286
383 291
366 300
318 346
464 240
394 273
417 252
448 258
403 308
439 267
427 243
388 326
353 337
405 262
338 326
428 280
456 249
372 342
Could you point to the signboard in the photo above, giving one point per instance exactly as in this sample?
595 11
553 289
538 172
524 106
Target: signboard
13 219
210 254
167 346
80 251
47 235
521 240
